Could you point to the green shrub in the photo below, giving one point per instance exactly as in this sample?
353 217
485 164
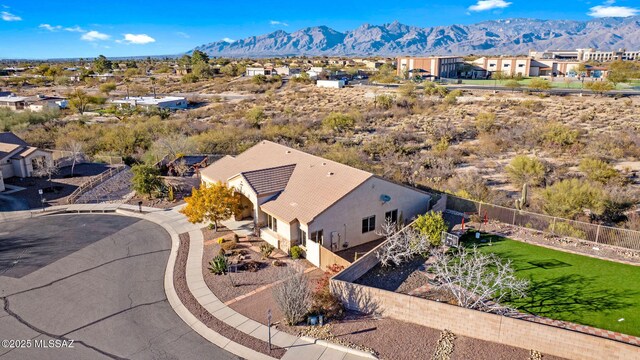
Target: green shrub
569 198
296 252
558 135
598 170
218 265
485 122
565 229
524 169
385 101
255 116
431 225
339 122
266 249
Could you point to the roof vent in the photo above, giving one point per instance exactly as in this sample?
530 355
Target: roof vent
329 173
288 152
324 163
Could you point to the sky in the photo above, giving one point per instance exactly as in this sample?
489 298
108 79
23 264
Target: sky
71 29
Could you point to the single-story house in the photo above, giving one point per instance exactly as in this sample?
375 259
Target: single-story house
336 84
253 71
167 102
297 198
34 103
17 158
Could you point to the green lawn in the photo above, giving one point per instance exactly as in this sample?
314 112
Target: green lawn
574 84
572 287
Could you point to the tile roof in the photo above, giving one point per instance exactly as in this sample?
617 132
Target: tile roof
313 186
10 138
267 181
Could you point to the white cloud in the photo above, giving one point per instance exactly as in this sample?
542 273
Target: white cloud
59 27
276 22
139 39
183 34
228 40
7 16
607 10
75 29
94 36
49 27
483 5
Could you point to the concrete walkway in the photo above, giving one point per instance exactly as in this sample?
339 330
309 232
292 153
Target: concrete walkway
175 223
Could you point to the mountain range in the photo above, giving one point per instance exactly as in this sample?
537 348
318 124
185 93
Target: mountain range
508 36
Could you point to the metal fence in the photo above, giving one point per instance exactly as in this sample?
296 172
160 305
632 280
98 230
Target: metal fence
599 234
93 182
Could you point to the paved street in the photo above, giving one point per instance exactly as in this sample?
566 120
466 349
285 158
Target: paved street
94 279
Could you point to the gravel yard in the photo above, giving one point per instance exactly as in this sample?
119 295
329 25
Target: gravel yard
180 283
403 278
228 287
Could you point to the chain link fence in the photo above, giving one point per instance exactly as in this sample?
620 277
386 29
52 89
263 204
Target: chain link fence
598 234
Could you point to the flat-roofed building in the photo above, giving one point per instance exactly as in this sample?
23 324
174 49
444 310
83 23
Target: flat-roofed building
429 67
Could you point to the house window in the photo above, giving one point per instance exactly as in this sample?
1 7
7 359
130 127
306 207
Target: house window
303 237
272 223
368 224
392 216
492 65
520 65
317 236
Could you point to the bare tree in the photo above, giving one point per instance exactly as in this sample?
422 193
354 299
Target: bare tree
42 167
478 280
172 145
181 167
75 148
400 246
293 296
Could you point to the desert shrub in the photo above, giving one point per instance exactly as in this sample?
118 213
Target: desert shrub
569 198
218 265
229 245
385 101
407 90
296 252
339 122
431 225
565 229
524 169
255 116
598 170
469 185
558 135
293 296
485 122
266 249
442 145
259 79
323 302
190 78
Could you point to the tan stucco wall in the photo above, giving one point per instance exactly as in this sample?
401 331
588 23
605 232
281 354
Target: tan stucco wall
345 217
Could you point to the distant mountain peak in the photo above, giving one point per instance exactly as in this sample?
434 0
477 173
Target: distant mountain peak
500 36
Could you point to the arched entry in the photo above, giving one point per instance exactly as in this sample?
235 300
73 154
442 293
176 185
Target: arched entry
245 210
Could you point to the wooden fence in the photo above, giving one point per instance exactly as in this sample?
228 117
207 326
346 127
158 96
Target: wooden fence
93 182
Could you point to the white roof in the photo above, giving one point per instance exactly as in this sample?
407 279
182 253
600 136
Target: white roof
148 100
12 98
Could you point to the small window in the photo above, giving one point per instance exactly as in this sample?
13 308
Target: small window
392 216
506 65
492 65
520 65
272 223
303 237
368 224
317 236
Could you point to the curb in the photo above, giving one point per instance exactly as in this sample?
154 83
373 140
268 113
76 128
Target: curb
342 348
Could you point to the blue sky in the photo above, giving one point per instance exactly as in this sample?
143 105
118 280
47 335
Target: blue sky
54 29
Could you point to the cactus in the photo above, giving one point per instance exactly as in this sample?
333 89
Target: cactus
522 201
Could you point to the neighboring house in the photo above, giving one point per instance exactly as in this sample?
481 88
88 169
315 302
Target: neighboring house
435 66
337 84
17 158
167 102
253 71
35 103
301 199
286 71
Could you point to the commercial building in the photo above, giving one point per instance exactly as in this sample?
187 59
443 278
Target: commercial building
429 67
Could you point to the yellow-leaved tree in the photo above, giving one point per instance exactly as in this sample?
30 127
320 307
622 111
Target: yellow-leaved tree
212 202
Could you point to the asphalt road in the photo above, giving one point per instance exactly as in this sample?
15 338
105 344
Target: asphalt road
94 279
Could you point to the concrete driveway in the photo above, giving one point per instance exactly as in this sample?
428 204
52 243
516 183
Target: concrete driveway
94 279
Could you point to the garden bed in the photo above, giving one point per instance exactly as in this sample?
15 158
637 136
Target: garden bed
232 285
191 303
